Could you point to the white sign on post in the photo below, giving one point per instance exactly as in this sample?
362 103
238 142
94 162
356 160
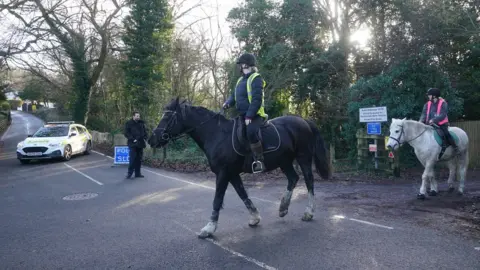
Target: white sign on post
373 114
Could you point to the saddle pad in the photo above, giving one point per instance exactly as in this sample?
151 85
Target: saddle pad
270 138
439 139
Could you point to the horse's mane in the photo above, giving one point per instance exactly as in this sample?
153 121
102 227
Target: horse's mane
417 124
222 121
186 107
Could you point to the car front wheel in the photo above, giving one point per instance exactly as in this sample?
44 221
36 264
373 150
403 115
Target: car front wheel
67 153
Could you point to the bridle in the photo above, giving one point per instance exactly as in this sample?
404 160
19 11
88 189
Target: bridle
402 132
166 136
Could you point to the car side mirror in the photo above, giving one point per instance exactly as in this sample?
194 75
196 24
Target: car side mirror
30 135
73 134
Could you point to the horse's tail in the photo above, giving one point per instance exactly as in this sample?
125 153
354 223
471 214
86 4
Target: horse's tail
321 155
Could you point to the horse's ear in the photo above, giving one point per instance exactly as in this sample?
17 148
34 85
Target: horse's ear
177 100
404 119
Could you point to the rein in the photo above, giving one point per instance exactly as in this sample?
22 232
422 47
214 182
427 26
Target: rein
402 132
173 121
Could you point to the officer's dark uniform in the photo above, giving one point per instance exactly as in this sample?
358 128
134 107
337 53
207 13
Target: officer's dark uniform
136 135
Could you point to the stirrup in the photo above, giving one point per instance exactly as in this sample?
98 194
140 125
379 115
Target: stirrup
260 164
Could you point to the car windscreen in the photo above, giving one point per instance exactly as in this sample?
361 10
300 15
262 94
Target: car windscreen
56 131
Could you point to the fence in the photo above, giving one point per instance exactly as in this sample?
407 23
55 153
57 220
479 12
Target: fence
472 128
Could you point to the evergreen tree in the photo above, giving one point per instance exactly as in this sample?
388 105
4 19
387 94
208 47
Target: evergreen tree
148 31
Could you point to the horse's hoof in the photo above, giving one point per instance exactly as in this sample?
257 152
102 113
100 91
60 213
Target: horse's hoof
421 197
208 230
254 219
459 193
283 213
204 234
307 217
253 222
432 193
451 189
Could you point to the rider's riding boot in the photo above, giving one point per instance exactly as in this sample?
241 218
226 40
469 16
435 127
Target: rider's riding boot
456 151
257 150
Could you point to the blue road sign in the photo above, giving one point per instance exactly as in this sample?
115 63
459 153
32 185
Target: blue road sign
374 128
122 155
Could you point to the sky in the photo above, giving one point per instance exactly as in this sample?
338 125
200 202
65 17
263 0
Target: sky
220 10
216 9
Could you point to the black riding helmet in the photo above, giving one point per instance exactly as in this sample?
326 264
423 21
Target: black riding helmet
434 92
247 59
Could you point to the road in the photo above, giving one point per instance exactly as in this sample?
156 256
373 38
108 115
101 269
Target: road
151 223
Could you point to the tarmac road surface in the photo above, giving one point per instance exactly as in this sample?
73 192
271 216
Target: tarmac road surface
151 223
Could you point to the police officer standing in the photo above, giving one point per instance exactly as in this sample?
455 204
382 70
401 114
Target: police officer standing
136 135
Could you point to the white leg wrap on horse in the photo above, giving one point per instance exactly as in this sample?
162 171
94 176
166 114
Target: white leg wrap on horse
311 203
308 215
287 196
209 229
255 218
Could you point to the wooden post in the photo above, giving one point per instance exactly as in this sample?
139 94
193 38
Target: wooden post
361 145
332 156
396 164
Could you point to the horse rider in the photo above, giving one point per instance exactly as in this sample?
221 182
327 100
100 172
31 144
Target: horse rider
438 115
248 98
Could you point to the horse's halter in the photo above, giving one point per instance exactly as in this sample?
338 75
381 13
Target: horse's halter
401 133
165 135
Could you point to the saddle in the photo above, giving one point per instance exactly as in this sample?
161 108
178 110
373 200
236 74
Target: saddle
267 134
442 140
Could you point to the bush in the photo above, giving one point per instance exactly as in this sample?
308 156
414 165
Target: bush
14 104
4 106
49 115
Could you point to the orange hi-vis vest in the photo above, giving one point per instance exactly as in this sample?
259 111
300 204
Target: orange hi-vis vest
439 107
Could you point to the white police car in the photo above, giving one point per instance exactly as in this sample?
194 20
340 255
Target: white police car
55 140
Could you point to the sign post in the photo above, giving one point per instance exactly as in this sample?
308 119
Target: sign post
121 155
373 116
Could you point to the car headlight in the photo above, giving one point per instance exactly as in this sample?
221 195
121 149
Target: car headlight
20 145
54 144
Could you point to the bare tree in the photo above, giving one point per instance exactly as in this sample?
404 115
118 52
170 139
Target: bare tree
215 48
70 37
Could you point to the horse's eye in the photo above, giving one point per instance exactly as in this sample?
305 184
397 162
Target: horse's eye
397 131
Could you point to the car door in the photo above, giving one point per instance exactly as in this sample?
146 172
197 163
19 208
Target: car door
83 137
74 141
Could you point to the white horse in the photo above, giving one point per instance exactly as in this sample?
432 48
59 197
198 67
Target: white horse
421 138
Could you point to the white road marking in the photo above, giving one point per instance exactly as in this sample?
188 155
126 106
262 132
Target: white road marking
238 254
180 180
86 176
362 221
101 154
256 198
477 248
